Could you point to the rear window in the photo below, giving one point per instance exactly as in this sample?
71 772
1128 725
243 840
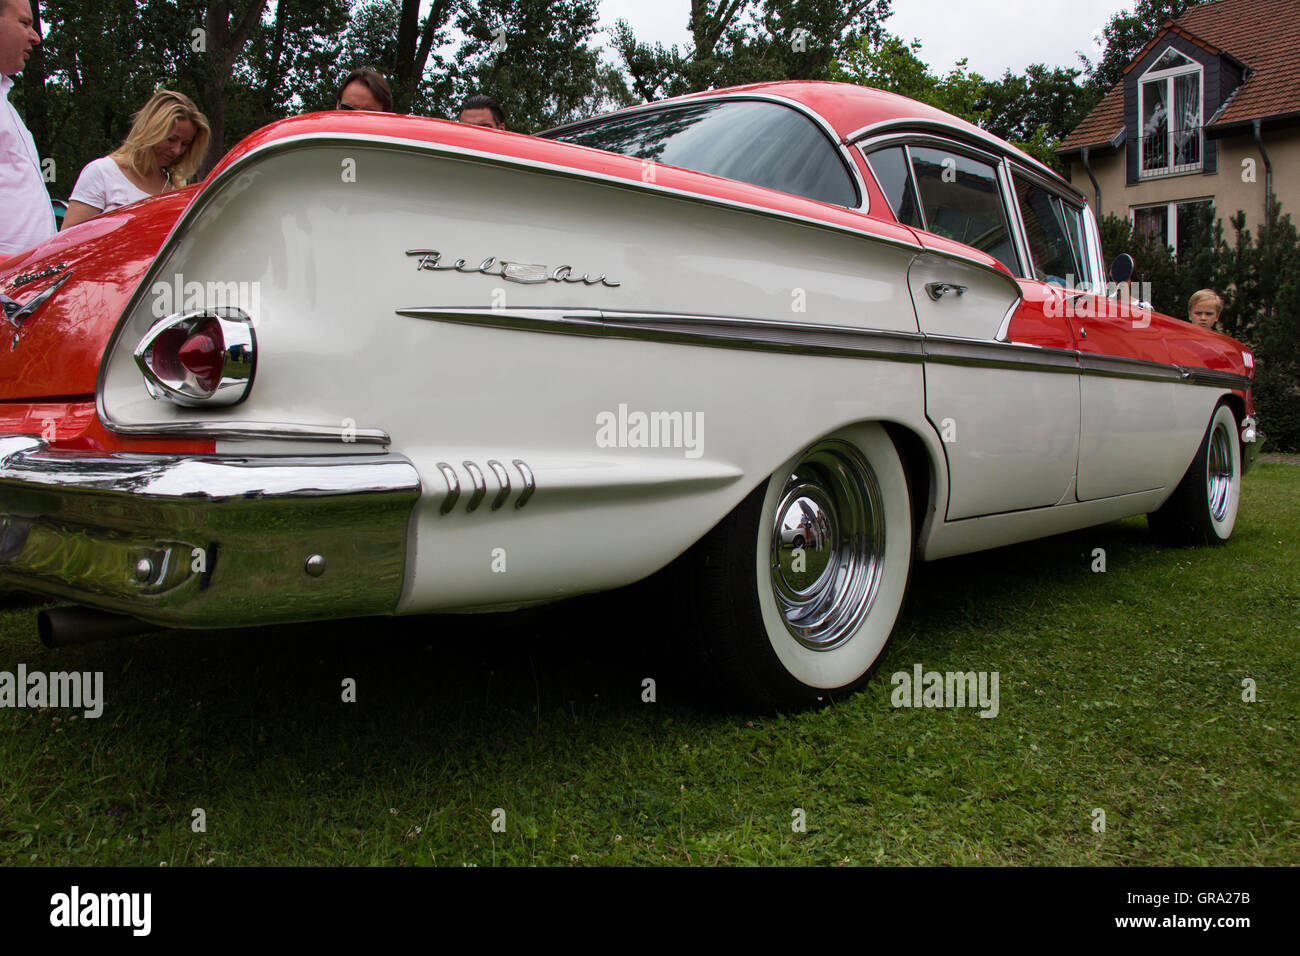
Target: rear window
756 142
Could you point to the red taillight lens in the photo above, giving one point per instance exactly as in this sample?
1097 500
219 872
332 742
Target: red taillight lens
203 353
199 358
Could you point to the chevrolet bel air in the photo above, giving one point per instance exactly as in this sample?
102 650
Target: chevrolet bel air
788 338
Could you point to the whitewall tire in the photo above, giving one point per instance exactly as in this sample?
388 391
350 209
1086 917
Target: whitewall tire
1203 508
797 591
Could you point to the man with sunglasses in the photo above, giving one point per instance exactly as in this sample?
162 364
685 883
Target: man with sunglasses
365 89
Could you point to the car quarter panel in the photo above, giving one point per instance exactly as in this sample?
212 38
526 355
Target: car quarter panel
546 418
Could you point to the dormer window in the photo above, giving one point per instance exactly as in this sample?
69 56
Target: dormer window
1170 105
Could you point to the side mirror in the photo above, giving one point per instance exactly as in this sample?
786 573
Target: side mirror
1122 268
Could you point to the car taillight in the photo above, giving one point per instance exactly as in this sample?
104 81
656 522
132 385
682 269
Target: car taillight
199 358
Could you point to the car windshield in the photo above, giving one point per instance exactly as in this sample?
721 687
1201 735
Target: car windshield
754 141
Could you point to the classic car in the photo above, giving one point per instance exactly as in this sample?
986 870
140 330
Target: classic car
387 365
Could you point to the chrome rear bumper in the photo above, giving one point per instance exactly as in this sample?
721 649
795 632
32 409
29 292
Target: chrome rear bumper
206 541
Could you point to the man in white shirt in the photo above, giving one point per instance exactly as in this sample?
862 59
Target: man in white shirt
25 214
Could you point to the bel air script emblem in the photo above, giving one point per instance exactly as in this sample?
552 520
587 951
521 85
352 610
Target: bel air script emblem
431 259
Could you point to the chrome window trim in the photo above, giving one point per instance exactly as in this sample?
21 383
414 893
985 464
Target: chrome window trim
840 145
1069 197
1095 253
1015 217
987 140
928 139
907 141
911 182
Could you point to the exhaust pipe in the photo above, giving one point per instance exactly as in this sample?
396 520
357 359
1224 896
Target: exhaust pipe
66 626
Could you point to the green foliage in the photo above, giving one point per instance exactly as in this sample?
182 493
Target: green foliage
1119 690
548 73
746 41
895 66
1034 111
1258 278
1127 33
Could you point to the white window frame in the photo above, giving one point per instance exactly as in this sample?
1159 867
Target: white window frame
1171 215
1167 76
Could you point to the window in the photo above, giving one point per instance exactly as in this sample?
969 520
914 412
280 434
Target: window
756 142
1183 226
1169 111
961 200
1055 234
889 166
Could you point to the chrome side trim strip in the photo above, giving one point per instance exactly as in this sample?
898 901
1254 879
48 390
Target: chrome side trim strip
1115 366
986 354
480 486
503 480
806 339
245 431
1217 378
720 331
453 487
530 484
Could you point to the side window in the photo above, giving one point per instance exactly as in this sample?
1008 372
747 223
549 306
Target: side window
756 142
1079 239
889 166
1054 251
961 200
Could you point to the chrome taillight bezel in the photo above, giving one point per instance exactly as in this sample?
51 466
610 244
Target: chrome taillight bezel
239 359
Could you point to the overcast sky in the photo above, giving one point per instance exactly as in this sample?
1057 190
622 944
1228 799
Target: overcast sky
994 35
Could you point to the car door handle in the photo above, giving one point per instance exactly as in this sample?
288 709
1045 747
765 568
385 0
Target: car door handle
937 290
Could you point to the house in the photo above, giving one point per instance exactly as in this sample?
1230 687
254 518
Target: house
1206 119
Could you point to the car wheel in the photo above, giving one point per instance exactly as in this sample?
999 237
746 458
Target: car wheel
787 626
1203 508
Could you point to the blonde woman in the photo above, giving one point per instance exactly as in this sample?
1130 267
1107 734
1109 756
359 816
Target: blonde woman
167 141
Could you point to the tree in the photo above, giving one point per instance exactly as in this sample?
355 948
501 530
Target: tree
535 57
749 41
1127 33
1258 278
896 67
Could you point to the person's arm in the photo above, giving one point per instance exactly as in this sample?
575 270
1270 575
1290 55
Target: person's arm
79 212
89 195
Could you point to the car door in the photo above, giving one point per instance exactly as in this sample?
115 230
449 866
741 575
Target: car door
1001 382
1126 389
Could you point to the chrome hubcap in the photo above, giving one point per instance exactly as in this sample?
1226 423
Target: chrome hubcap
1219 473
828 545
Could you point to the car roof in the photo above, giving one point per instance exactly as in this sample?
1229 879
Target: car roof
853 112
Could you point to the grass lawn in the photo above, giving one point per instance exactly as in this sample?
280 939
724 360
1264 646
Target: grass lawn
1119 691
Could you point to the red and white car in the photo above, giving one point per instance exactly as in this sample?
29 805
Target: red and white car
794 335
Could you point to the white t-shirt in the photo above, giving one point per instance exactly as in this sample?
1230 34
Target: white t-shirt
25 214
102 184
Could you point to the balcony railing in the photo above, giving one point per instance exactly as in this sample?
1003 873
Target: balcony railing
1163 154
